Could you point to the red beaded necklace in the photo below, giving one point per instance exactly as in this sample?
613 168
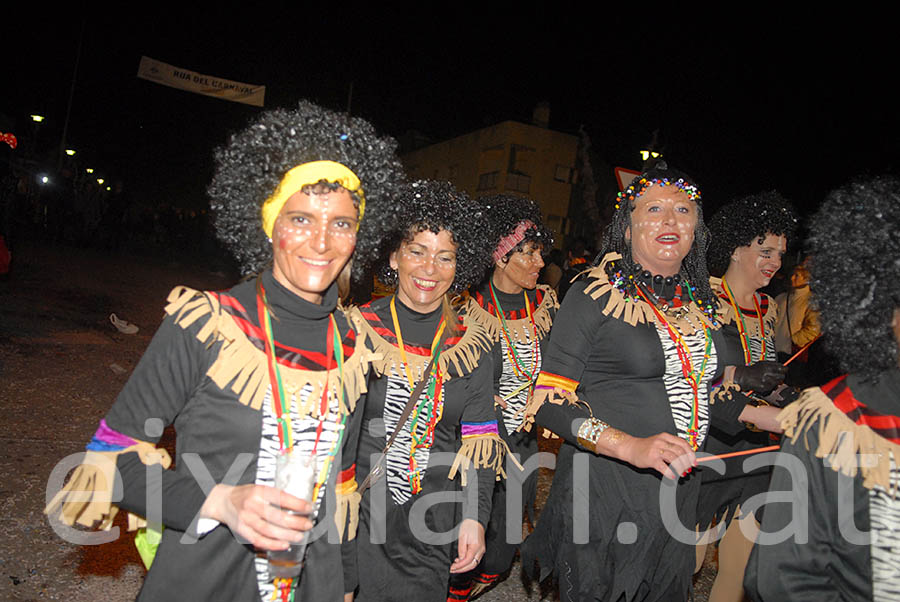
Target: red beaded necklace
519 367
742 327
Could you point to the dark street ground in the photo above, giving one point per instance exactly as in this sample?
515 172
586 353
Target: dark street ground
61 365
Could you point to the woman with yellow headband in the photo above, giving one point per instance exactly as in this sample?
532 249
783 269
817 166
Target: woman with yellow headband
247 375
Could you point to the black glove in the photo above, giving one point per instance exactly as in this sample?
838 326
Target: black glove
760 377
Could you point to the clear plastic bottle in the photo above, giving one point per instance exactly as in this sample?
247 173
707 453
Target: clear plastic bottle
295 473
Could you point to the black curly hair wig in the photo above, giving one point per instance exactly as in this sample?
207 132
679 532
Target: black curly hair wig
742 221
504 213
435 206
693 266
252 163
855 269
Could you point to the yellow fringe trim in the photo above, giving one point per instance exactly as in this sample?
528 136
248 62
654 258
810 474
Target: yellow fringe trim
463 357
243 367
87 497
726 315
840 439
347 510
481 451
637 311
519 330
546 379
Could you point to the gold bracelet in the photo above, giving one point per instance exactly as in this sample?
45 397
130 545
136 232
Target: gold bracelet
589 432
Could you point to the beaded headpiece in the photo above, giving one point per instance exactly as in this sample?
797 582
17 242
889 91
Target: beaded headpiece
625 275
640 185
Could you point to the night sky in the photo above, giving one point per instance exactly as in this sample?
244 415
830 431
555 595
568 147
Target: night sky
742 101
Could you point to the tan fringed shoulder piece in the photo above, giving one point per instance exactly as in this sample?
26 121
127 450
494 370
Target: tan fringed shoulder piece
636 311
519 330
482 451
86 498
242 367
840 439
463 356
725 312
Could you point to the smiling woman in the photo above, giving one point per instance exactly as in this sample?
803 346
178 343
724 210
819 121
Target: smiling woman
426 267
626 382
451 426
662 229
749 238
267 370
313 238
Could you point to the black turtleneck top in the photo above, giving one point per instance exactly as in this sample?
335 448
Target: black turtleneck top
628 376
406 566
217 440
467 397
170 384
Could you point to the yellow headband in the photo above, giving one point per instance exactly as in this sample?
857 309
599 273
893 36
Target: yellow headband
306 174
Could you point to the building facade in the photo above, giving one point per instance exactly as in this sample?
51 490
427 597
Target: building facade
508 158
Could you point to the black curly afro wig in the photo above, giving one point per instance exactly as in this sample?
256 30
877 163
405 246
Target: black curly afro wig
693 266
740 222
855 268
252 163
430 205
504 213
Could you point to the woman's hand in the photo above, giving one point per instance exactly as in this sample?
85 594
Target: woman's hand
762 376
470 547
498 401
258 514
669 455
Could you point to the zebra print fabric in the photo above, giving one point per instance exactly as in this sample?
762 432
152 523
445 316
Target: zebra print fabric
681 396
304 436
884 516
397 470
510 387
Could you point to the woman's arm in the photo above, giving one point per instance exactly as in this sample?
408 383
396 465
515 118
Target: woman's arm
478 429
563 363
579 322
165 379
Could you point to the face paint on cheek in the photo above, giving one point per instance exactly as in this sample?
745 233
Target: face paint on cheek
288 233
760 261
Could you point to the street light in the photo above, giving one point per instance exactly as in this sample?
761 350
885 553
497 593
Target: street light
89 170
100 181
45 180
70 152
37 118
646 154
